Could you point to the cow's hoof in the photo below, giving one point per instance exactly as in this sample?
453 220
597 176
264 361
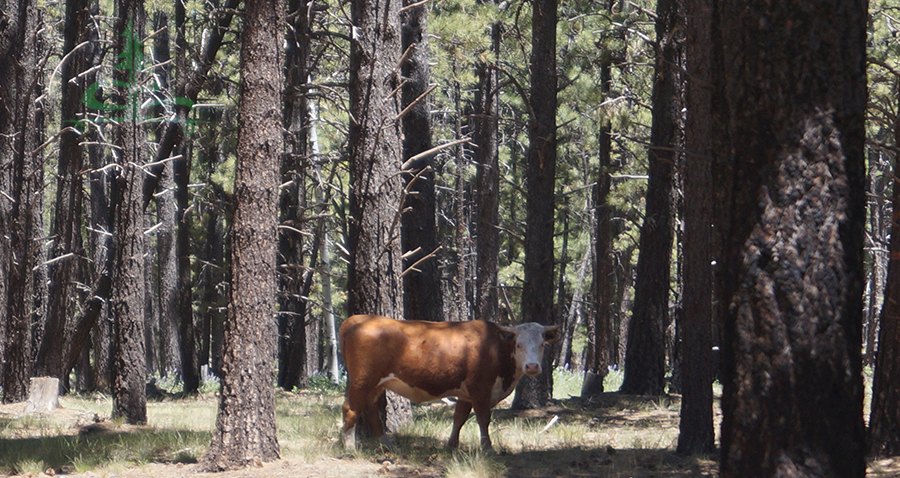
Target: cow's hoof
349 438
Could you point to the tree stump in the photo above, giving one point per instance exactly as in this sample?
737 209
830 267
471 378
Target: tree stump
43 395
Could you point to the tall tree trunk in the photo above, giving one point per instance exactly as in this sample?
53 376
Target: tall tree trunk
487 187
879 228
333 364
292 310
95 321
696 433
573 313
540 180
422 285
645 355
599 324
884 419
20 51
167 274
374 284
245 426
67 251
127 301
181 172
795 84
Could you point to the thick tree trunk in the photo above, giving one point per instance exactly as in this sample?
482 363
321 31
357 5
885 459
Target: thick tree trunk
374 284
127 300
795 84
540 181
645 355
696 425
245 426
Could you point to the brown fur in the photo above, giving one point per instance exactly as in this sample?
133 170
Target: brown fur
434 357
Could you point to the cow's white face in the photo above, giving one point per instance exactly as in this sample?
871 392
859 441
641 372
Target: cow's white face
531 338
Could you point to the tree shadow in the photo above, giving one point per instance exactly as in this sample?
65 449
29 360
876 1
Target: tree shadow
99 446
591 462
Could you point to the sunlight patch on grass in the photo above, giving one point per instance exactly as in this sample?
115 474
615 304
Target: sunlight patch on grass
474 465
308 425
567 384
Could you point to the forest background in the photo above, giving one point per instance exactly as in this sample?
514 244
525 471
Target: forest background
63 199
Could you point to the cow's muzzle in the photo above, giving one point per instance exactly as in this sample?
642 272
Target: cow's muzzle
532 369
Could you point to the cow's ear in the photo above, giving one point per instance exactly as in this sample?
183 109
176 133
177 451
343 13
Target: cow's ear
551 334
507 334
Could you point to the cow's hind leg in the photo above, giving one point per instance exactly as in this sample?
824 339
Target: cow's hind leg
375 420
460 415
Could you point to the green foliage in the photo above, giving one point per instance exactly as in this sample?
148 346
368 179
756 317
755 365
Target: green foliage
321 383
173 385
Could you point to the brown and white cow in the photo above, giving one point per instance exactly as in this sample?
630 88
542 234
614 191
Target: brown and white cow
477 362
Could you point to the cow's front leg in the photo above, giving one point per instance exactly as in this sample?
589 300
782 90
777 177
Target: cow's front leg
460 415
483 415
348 431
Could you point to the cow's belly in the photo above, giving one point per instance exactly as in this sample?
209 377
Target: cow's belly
498 393
418 395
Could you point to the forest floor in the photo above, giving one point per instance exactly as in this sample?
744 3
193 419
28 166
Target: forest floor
618 436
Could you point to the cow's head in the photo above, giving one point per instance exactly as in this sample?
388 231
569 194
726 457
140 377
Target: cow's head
530 340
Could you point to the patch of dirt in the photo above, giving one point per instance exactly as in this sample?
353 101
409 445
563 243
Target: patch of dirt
290 468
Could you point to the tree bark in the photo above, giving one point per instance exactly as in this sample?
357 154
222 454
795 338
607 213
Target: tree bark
20 176
645 355
181 172
127 300
67 249
795 84
599 324
245 426
487 187
292 308
374 284
696 433
166 350
422 285
540 180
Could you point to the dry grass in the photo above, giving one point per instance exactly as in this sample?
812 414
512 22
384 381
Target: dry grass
615 436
